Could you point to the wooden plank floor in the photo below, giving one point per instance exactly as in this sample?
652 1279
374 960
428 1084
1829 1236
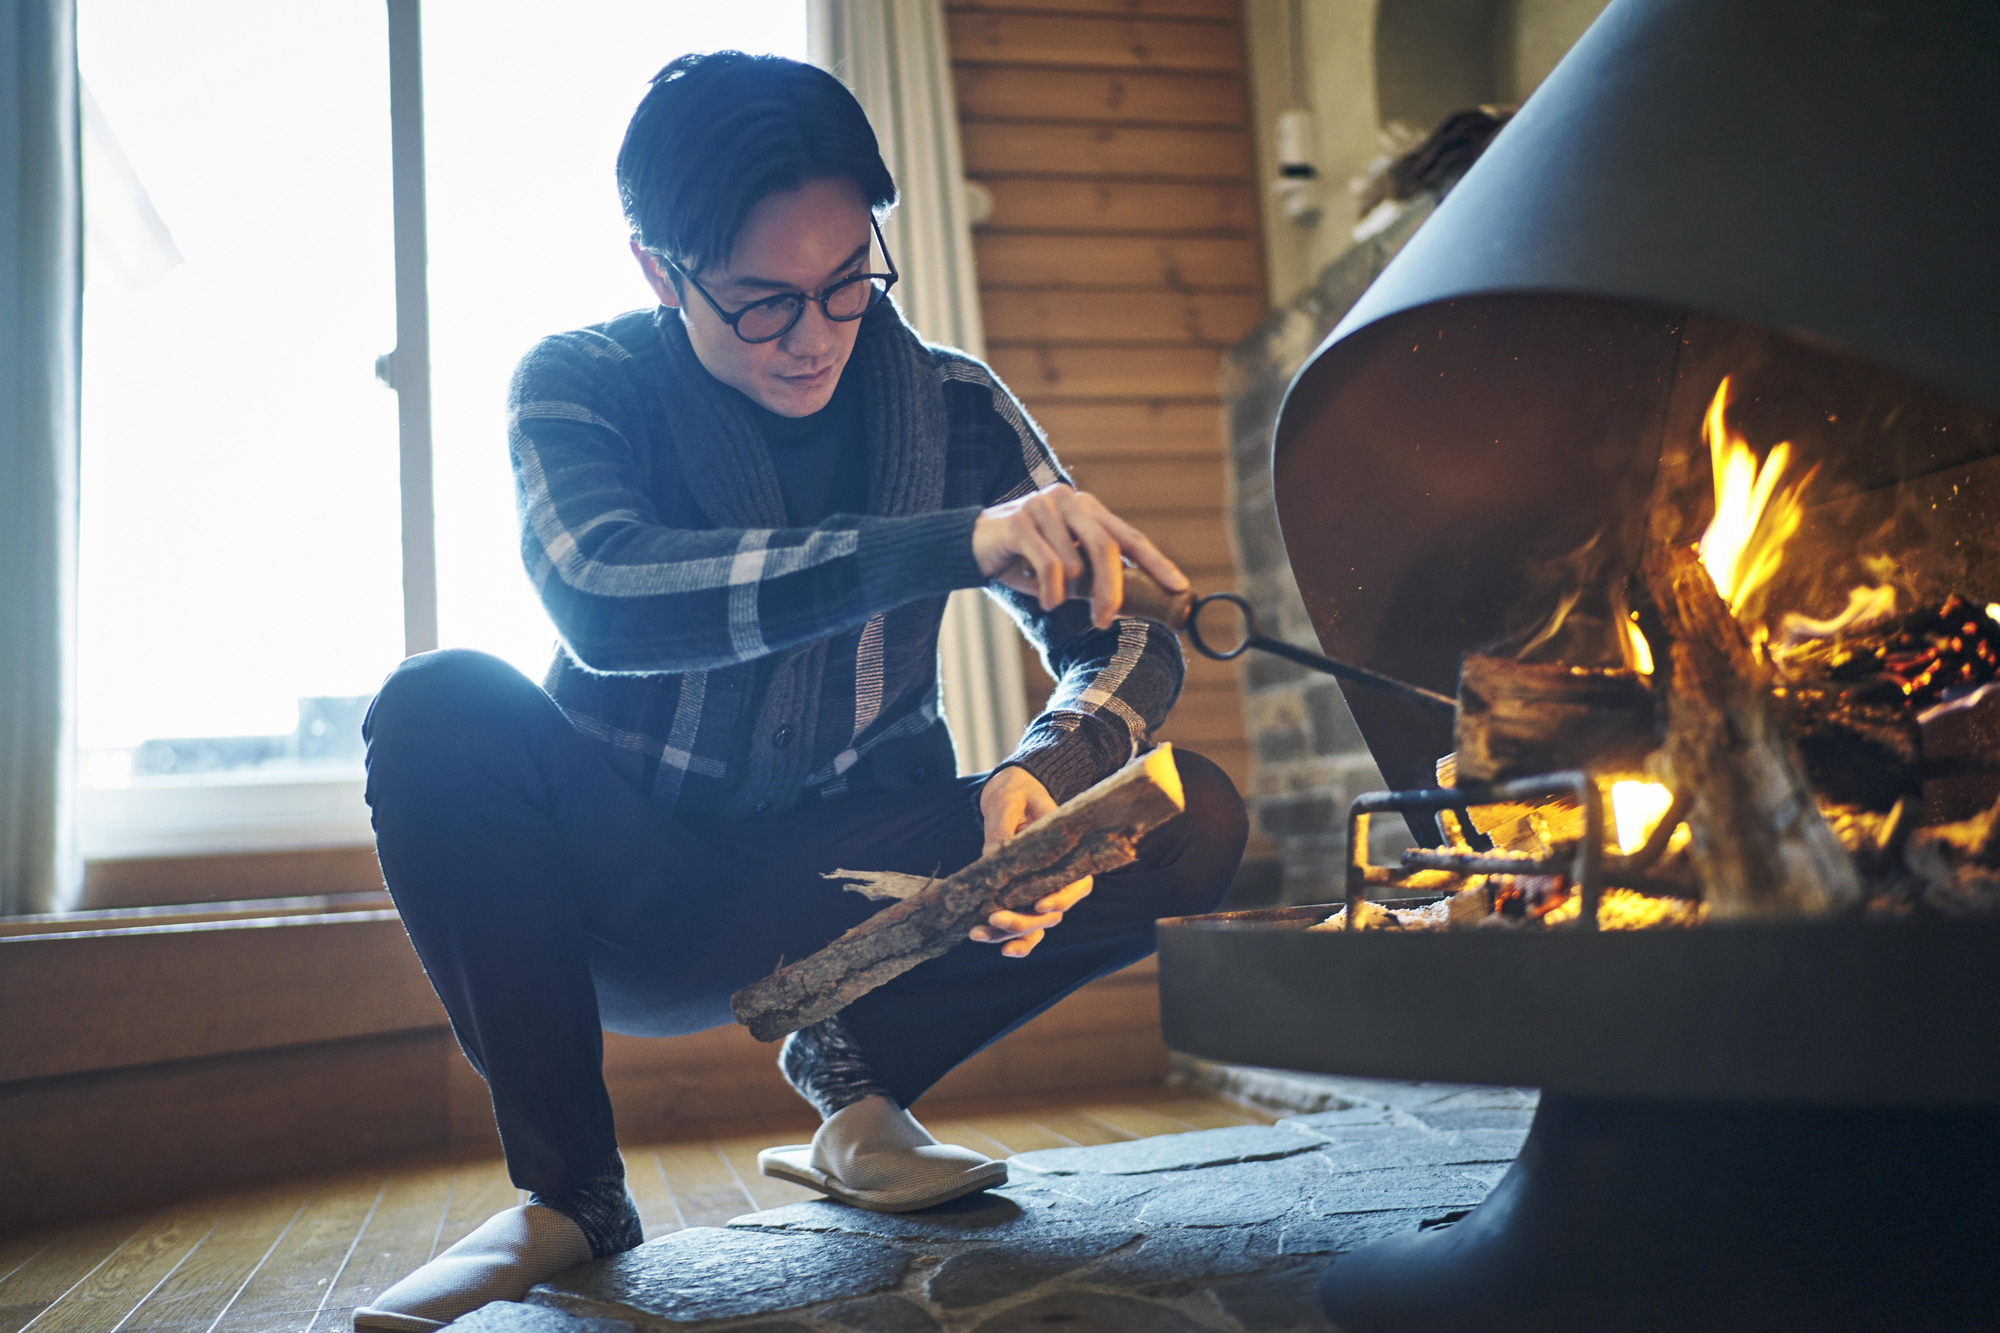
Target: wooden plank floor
298 1258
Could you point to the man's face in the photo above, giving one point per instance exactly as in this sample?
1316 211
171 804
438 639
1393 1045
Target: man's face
792 241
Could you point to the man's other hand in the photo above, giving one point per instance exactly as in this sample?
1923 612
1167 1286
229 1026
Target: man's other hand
1012 798
1041 543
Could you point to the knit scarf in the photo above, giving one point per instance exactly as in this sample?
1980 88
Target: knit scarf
728 470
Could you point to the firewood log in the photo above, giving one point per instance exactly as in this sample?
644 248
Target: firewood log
1095 831
1760 843
1517 719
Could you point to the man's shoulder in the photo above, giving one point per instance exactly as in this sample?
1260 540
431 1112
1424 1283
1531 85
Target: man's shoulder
614 349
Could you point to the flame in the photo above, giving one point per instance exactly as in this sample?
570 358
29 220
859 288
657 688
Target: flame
1753 518
1639 653
1637 807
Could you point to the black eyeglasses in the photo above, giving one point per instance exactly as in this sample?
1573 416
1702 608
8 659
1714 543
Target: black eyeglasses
772 318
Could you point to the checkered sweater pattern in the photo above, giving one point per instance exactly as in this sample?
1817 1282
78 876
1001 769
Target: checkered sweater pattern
731 665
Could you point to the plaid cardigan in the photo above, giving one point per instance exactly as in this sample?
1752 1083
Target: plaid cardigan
733 666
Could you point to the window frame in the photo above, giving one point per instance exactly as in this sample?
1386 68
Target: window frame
235 812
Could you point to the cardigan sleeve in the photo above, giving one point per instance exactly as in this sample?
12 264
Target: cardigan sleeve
630 594
1114 686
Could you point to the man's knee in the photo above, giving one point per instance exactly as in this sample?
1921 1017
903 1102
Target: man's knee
1214 828
439 693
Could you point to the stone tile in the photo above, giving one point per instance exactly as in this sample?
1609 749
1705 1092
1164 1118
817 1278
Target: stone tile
1022 1212
1408 1096
881 1314
1232 1196
1285 1297
1172 1152
1097 1311
1425 1189
720 1273
511 1317
1336 1233
1176 1261
1381 1147
980 1276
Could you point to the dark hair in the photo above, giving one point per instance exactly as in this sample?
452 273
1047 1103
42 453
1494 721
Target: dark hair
718 132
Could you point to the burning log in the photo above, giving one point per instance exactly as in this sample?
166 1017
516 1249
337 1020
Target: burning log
1517 719
1088 834
1760 843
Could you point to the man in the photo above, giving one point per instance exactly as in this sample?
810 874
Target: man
744 510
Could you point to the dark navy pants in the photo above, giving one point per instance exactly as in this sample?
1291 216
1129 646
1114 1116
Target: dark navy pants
549 899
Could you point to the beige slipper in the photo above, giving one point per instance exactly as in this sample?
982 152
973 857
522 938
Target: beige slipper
502 1257
875 1155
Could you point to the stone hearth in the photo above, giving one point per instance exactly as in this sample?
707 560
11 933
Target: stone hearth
1223 1229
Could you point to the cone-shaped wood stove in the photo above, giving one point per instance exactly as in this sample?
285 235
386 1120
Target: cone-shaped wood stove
1779 1124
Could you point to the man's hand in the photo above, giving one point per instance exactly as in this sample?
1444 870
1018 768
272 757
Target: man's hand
1011 798
1041 543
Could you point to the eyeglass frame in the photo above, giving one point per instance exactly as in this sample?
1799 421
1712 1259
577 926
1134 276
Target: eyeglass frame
818 298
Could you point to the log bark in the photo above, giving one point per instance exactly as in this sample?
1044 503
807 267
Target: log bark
1760 843
1519 719
1095 831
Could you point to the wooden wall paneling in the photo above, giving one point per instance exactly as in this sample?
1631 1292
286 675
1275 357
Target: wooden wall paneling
1160 263
1142 318
1094 41
1106 152
1160 427
1153 483
1146 208
1215 9
1042 371
1110 97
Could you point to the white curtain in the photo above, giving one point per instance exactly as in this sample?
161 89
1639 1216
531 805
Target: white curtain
894 55
41 288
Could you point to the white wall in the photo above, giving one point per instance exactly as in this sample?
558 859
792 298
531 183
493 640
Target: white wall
1359 70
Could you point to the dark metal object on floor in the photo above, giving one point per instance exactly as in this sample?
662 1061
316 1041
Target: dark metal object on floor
1832 1081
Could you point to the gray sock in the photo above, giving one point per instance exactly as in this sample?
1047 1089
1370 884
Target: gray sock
603 1210
828 1067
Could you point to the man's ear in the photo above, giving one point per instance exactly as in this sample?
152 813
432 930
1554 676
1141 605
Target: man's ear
662 286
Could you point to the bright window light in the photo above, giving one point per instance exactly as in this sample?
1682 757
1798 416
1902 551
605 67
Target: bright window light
525 104
241 576
240 572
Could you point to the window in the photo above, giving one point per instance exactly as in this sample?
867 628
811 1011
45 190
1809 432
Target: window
242 562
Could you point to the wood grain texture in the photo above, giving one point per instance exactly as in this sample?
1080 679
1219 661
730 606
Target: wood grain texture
1103 263
1107 152
1092 832
1023 92
1092 41
145 881
94 1143
109 1001
1080 432
1189 484
1121 207
1045 373
1061 318
205 1287
302 1255
1215 9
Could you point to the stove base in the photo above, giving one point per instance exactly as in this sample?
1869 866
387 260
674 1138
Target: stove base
1646 1216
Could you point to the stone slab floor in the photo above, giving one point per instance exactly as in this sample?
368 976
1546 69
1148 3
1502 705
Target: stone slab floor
1218 1229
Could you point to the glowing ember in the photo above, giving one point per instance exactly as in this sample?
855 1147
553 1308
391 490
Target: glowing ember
1753 519
1637 807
